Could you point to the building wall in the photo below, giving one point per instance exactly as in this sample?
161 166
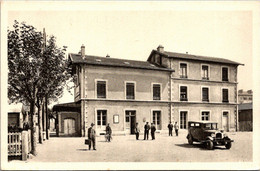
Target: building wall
116 78
194 70
195 90
143 114
194 113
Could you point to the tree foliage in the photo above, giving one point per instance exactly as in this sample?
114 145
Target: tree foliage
35 67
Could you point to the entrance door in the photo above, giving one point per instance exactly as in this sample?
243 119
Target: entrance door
101 119
130 120
225 121
183 120
157 119
69 126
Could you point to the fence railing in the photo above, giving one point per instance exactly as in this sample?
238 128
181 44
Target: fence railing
14 143
19 144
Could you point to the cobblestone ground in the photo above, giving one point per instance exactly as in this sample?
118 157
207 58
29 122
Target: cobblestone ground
127 149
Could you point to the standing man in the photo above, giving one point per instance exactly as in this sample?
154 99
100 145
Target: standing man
92 137
137 130
108 132
146 130
153 129
170 126
176 127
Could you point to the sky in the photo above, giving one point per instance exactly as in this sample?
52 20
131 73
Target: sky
133 33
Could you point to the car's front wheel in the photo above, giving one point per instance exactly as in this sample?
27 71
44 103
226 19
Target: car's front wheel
190 140
209 145
228 145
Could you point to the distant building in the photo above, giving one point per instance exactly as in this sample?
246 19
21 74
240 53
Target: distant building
245 119
245 96
167 87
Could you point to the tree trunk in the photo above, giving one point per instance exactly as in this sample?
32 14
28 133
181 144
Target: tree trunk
47 118
33 129
40 122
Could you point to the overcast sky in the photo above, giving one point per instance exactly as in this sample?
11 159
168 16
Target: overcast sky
132 34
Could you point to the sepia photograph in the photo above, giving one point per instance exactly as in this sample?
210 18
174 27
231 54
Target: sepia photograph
111 85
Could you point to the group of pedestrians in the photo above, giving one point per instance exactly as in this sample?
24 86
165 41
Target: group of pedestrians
175 126
147 128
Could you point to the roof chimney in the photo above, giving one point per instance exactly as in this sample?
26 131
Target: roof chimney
107 56
160 48
83 51
186 52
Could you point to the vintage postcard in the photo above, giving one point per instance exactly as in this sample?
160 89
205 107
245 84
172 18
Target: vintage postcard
113 85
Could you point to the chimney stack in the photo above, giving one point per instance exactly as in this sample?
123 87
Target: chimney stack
107 56
160 48
83 51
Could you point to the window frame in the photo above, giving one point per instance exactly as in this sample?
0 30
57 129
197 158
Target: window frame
134 82
228 71
187 92
222 88
187 117
151 118
202 93
160 91
96 93
205 78
96 117
201 111
187 70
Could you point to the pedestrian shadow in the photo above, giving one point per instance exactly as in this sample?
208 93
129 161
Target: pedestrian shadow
82 149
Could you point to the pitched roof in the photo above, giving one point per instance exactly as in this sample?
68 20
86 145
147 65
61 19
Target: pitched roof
196 57
107 61
245 106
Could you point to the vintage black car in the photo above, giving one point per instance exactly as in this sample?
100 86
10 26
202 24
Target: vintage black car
207 132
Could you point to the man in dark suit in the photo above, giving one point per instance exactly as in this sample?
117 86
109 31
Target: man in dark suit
170 127
108 132
153 129
146 130
92 137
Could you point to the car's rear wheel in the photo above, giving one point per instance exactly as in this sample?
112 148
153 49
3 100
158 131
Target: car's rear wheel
228 145
209 145
190 140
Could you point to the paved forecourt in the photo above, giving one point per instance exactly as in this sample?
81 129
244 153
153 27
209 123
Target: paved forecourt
127 149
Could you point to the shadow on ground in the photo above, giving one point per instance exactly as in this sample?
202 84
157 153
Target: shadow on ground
201 146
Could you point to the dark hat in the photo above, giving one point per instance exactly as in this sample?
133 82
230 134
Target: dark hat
92 124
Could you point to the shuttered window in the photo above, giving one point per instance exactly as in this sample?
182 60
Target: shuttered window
183 93
224 74
156 92
205 94
101 89
183 70
130 91
225 95
205 72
